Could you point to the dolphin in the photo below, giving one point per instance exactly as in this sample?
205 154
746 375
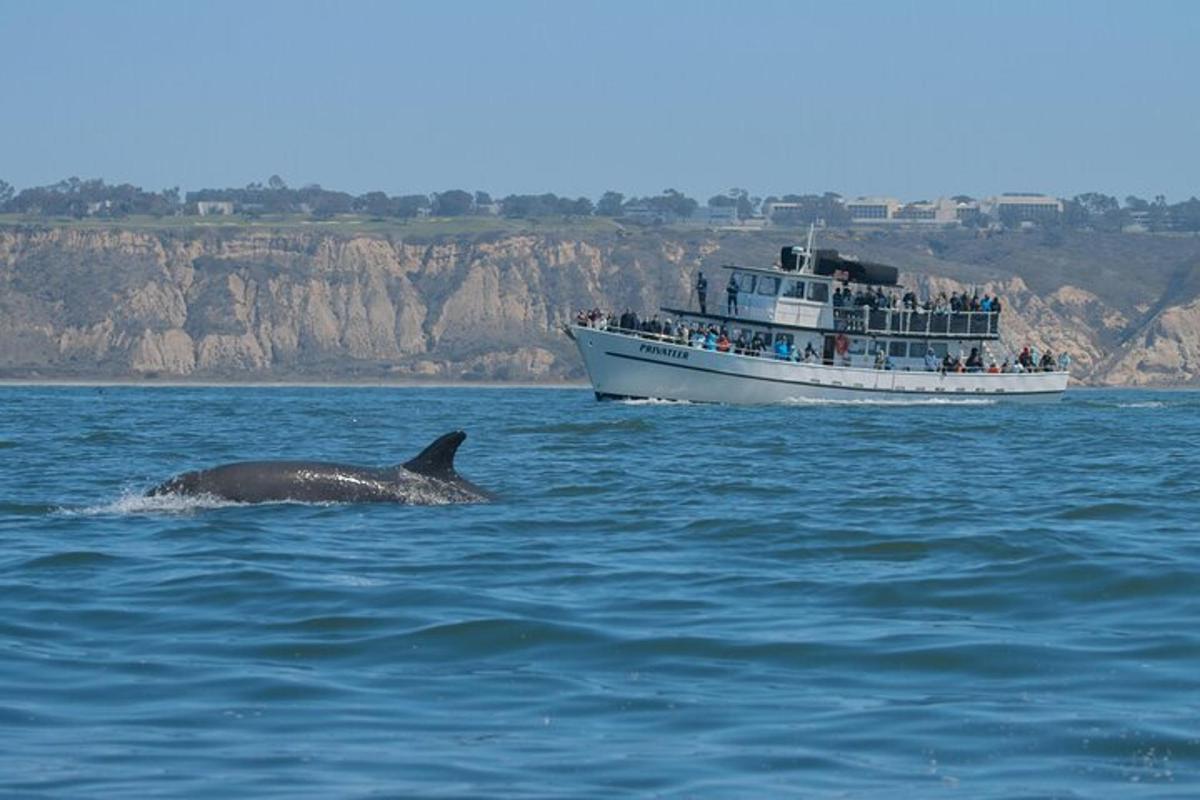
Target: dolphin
428 479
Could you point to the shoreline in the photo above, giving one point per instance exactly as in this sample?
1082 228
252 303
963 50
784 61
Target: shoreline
95 383
298 384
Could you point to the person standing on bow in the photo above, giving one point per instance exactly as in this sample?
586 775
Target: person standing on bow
731 292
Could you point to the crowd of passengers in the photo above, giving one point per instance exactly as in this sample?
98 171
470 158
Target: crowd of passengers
880 300
719 339
1027 361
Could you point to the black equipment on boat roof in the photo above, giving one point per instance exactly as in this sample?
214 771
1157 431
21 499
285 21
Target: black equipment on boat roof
828 262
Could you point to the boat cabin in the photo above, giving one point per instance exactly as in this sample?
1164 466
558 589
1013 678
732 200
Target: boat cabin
817 299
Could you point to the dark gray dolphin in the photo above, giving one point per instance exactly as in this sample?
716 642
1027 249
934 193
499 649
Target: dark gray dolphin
428 479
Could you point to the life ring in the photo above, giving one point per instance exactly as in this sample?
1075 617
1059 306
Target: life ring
841 344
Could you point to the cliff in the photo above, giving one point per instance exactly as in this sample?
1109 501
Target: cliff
298 304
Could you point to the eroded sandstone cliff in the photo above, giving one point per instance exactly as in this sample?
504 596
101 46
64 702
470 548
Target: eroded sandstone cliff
265 305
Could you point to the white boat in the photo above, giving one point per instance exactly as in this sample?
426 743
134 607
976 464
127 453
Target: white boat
855 352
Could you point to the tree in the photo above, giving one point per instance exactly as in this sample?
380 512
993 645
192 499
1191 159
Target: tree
610 204
674 203
375 204
410 205
1186 215
1097 204
454 203
275 183
482 199
579 207
6 193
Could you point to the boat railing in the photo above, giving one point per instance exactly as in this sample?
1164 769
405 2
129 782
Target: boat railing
864 319
766 353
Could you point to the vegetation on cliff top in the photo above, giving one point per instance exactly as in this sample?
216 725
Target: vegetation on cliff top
276 203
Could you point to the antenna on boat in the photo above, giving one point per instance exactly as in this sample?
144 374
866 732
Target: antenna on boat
812 232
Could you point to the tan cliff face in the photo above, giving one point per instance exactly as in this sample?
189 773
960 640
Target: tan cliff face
300 305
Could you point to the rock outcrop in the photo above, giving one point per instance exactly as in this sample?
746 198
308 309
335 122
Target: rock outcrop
262 305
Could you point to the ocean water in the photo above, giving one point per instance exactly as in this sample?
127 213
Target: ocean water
669 600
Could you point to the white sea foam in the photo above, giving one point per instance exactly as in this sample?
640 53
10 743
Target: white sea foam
650 401
915 401
1144 404
132 503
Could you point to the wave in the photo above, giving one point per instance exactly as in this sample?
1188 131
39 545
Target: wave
74 558
915 401
1144 404
635 425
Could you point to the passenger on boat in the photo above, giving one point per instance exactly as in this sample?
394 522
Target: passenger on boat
731 296
757 345
810 354
993 369
931 360
710 339
723 343
1064 362
702 292
1047 362
782 350
974 361
1025 359
880 359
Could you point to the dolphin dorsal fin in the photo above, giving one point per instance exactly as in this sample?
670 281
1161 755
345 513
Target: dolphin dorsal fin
437 460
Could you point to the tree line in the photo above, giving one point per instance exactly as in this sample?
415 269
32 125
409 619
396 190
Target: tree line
78 198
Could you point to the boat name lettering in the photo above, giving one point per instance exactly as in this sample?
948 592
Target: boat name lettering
670 352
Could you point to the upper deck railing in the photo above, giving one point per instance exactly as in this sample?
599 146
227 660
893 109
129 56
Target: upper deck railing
863 319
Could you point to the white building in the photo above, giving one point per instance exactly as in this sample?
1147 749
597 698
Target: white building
939 212
210 208
872 209
1015 207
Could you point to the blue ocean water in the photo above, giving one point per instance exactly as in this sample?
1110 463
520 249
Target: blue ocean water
669 600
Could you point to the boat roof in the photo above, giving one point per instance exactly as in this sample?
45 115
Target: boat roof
828 264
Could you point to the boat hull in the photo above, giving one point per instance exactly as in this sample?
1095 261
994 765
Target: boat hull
628 366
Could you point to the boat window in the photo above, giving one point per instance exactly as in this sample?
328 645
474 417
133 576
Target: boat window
745 282
858 346
768 286
917 349
940 349
897 349
794 289
818 291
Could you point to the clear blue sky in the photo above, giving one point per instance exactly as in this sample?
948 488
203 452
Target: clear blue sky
913 99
